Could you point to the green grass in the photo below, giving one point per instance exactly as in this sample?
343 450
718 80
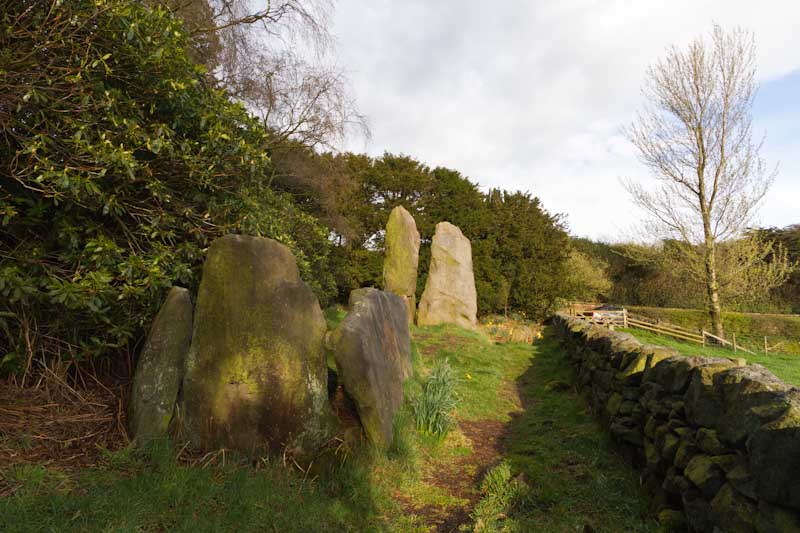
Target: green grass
573 475
785 366
750 328
570 474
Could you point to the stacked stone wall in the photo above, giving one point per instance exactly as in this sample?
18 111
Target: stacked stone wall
717 440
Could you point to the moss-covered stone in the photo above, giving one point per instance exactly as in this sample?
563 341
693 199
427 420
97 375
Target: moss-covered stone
733 512
774 457
705 474
612 406
708 442
159 370
704 406
256 375
372 347
402 258
671 521
752 396
776 519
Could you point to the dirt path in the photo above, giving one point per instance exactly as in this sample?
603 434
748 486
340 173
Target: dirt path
462 477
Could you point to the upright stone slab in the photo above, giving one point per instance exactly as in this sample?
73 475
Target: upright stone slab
449 296
256 375
160 368
402 258
372 347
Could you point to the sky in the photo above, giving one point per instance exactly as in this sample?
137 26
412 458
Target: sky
533 95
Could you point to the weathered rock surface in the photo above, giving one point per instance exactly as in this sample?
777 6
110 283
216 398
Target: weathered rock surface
256 376
160 368
721 438
449 296
372 347
402 258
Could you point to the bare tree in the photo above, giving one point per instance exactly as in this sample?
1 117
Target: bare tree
276 57
695 134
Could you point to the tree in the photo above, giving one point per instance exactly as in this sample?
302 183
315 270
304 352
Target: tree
695 135
277 58
119 164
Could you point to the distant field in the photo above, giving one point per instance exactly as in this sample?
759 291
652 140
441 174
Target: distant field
750 328
785 366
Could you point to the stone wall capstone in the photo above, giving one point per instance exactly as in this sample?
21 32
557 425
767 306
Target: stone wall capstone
718 442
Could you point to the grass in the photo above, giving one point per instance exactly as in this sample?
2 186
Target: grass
750 328
558 473
785 366
568 475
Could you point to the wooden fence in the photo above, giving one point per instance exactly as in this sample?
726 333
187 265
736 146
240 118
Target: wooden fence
622 318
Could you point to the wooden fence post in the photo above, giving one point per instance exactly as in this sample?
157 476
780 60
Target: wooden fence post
734 343
704 337
766 348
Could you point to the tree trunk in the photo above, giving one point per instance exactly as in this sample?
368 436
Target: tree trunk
712 287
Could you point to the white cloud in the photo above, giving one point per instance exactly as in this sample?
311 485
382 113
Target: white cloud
532 95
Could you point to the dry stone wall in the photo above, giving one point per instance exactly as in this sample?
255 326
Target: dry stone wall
718 441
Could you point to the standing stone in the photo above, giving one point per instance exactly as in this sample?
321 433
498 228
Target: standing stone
160 367
402 258
449 295
256 375
372 347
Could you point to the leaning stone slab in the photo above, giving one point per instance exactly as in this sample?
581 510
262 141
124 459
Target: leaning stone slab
160 368
450 296
372 347
256 376
402 258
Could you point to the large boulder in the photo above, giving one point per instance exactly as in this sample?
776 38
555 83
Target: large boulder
256 376
372 347
402 258
159 371
449 296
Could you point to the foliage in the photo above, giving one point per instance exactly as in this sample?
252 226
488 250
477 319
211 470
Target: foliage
751 271
498 491
118 165
788 239
519 250
695 135
587 279
434 406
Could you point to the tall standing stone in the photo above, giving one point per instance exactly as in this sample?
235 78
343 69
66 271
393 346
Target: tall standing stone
256 375
372 347
402 258
450 296
160 367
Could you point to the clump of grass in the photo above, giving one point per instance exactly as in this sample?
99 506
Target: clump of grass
499 493
434 407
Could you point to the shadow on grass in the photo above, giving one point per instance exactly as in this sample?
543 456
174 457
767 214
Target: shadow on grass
576 481
147 490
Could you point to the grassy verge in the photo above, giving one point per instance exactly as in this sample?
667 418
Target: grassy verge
562 468
560 471
750 328
785 366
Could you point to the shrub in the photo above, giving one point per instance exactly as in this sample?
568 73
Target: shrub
433 408
119 163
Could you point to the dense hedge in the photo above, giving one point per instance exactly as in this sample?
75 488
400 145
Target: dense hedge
118 164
